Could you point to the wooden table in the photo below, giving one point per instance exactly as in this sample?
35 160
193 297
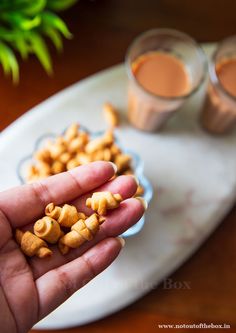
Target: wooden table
103 29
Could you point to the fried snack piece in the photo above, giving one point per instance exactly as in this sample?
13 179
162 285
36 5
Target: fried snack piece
32 245
83 158
100 143
115 150
48 229
81 231
76 145
57 167
43 155
66 216
102 201
128 172
122 162
71 132
74 148
65 157
71 164
139 192
32 173
111 115
102 155
57 148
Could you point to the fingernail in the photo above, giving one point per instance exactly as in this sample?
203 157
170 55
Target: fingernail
113 166
121 240
135 179
143 202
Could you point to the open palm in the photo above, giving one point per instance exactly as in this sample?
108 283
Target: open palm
32 288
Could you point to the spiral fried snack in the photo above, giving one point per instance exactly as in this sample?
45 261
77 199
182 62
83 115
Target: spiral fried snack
48 229
111 115
81 231
71 132
100 143
32 245
66 216
140 191
75 148
122 162
102 201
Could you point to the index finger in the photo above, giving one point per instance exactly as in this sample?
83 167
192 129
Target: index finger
24 203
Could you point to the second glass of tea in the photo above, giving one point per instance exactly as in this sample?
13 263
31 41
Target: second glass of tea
219 111
165 67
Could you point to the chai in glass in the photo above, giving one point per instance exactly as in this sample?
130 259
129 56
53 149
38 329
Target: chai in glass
164 67
219 112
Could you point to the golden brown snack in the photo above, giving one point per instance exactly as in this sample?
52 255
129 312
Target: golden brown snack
44 169
48 229
100 143
43 155
94 145
111 115
81 231
122 162
64 249
115 150
71 132
139 192
57 167
83 158
32 173
128 172
84 137
66 216
71 164
32 245
102 201
76 145
65 157
56 148
102 155
75 148
109 137
37 172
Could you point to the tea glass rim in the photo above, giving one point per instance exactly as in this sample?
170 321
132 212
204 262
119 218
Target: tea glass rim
172 33
212 68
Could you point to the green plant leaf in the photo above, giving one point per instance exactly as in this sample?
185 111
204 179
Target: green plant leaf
7 35
21 21
21 45
26 7
16 39
55 37
39 48
23 24
32 7
9 62
56 22
59 5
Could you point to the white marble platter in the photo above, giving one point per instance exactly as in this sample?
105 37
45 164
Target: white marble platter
193 176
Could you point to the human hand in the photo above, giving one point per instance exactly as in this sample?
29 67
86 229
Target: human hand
32 288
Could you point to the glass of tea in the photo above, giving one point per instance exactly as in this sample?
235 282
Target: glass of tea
219 111
165 67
